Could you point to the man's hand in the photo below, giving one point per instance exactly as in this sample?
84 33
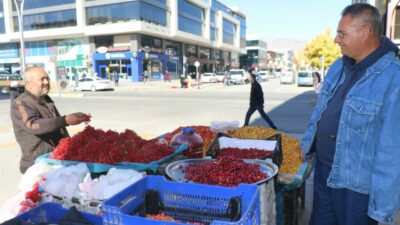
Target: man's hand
77 118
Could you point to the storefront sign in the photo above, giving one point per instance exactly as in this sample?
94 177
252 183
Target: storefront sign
61 73
151 56
119 55
8 51
102 49
118 49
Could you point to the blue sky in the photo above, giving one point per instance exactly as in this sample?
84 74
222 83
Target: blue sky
290 19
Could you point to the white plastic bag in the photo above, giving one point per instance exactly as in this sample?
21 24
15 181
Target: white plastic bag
63 182
33 175
107 185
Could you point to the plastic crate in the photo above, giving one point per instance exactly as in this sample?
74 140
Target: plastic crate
276 156
53 213
100 167
187 202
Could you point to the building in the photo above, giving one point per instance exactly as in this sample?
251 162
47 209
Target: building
126 36
256 53
390 11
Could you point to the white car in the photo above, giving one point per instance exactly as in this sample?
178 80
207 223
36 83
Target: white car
287 78
220 76
305 78
208 78
91 84
237 76
264 75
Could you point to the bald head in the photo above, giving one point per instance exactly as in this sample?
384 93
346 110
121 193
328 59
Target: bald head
37 81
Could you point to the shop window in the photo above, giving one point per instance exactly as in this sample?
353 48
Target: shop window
106 41
191 50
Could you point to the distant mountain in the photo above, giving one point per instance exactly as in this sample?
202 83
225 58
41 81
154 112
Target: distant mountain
285 44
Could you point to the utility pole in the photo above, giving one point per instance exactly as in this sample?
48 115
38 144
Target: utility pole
19 5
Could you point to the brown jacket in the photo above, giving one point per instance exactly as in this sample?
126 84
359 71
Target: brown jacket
38 127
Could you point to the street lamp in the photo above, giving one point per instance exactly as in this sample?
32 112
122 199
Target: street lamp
197 64
19 5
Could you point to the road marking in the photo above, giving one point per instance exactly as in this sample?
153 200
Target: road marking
11 144
5 127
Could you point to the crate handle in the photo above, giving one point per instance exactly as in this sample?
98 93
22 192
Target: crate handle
235 208
127 200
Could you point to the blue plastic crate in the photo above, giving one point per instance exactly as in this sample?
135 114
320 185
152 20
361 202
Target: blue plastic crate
187 202
53 213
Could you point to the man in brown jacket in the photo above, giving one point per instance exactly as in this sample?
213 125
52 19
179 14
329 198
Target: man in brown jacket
38 126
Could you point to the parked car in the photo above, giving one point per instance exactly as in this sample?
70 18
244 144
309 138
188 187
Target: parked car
91 84
11 81
287 78
220 76
264 75
259 78
305 78
208 78
237 76
275 74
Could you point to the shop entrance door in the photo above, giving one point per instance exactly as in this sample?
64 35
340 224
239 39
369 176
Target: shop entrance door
103 71
155 71
173 69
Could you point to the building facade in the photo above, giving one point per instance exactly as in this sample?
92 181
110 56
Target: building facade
128 37
256 53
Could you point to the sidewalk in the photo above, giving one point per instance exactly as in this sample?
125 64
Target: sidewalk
128 85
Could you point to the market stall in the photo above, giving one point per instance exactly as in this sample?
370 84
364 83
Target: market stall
194 174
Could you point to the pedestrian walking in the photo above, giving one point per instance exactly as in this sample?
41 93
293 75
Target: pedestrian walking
256 101
116 78
145 76
354 129
182 78
167 76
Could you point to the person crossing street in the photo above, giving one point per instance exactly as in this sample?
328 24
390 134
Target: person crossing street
256 101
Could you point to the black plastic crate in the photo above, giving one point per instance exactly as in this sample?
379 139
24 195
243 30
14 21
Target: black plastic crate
276 156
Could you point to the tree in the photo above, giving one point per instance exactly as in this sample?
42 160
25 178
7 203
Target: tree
322 46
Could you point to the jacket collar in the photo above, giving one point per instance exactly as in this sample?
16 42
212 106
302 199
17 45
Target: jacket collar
382 63
379 65
46 98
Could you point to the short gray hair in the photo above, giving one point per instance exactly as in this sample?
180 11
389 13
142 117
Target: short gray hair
366 13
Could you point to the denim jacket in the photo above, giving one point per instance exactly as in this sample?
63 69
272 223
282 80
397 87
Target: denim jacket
367 158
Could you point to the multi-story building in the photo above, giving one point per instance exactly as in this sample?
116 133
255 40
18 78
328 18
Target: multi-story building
125 36
256 53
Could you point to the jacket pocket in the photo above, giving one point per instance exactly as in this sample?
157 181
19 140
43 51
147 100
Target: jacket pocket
362 113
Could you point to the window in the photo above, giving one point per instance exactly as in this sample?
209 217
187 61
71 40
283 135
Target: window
137 10
191 50
43 3
105 41
39 48
252 43
216 5
172 48
65 18
229 32
397 24
191 18
151 44
216 54
205 53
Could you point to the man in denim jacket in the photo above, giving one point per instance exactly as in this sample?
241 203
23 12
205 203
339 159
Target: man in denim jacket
354 131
